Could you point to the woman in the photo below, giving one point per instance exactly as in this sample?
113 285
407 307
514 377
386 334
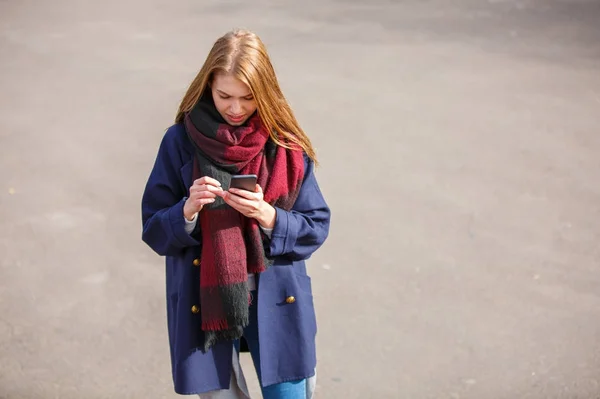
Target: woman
235 268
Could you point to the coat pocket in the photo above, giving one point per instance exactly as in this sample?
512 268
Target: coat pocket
304 283
299 304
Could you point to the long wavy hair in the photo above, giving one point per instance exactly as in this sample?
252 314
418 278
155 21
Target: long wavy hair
242 54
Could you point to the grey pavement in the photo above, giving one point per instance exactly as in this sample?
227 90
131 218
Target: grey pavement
460 151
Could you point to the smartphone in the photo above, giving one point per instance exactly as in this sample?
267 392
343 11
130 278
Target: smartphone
245 182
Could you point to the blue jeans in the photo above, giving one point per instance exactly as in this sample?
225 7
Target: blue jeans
284 390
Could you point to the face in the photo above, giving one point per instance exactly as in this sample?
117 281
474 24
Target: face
233 99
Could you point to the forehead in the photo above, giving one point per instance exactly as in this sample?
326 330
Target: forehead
231 85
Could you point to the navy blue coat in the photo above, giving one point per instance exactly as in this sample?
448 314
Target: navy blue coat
286 331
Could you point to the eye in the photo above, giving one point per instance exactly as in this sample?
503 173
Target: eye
224 97
249 98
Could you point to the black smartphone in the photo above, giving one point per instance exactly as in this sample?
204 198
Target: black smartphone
245 182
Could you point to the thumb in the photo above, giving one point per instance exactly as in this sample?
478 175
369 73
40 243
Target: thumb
258 189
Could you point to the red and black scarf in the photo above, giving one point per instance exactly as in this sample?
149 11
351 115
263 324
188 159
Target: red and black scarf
232 245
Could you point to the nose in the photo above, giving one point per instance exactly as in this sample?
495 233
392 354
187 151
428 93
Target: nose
236 108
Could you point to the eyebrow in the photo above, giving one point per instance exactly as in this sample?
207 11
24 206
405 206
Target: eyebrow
229 95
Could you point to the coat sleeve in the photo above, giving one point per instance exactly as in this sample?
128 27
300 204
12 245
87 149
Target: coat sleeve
298 233
163 199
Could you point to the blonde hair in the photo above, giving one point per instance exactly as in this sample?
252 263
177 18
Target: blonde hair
242 54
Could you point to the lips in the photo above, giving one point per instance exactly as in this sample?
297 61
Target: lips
236 118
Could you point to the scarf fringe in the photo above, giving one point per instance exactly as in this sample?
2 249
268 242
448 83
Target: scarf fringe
215 325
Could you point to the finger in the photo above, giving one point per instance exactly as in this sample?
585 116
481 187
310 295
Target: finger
202 194
236 202
207 180
213 189
241 202
205 201
205 187
245 194
258 189
199 203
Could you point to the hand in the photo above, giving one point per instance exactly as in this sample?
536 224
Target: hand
202 192
251 204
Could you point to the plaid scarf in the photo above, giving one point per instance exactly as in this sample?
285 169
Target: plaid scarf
232 245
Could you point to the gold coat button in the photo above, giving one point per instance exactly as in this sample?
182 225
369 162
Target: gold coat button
195 309
196 262
290 299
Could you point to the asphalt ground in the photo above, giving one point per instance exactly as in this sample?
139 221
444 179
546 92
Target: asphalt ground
460 154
